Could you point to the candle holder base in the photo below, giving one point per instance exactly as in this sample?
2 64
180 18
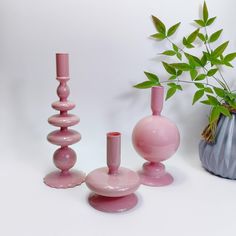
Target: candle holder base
154 174
58 179
112 204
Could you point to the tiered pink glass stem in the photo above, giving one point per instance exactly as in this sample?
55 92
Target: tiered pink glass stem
64 158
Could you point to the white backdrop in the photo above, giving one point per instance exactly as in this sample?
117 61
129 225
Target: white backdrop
109 50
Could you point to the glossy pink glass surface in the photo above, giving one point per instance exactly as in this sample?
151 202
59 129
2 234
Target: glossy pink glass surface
64 158
64 137
124 182
58 179
113 204
154 174
113 152
63 106
113 186
62 64
156 139
66 120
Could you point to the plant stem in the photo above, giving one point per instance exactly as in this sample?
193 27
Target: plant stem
188 82
221 75
223 85
180 49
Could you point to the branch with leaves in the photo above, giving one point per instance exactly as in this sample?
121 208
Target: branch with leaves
203 71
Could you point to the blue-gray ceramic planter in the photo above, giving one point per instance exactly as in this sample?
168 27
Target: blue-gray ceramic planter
220 157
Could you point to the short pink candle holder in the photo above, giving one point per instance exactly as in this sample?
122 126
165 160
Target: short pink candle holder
113 186
156 139
64 158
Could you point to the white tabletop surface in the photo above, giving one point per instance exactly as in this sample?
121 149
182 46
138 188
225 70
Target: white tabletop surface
197 203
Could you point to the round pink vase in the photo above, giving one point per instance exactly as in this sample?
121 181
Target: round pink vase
113 186
156 139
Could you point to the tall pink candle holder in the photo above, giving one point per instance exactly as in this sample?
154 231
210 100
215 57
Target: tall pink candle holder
156 139
113 186
64 158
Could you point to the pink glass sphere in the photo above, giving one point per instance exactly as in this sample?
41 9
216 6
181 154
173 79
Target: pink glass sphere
155 138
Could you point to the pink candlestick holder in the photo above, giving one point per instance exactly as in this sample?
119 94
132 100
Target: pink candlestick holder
64 158
156 139
113 186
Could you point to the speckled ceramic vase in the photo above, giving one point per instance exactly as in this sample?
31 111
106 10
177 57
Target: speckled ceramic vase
219 158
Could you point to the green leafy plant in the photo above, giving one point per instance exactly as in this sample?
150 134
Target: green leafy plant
203 71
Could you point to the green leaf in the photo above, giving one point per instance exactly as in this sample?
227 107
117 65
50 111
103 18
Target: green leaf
210 21
191 38
179 87
212 72
179 72
203 60
181 66
228 64
175 47
174 85
224 111
215 114
179 56
220 92
215 36
206 102
173 77
197 61
193 74
187 44
171 91
200 77
207 55
232 104
152 77
208 90
169 68
205 12
158 36
202 37
198 95
159 25
230 57
173 29
219 50
215 61
192 63
231 95
145 84
213 100
200 22
199 85
169 53
184 41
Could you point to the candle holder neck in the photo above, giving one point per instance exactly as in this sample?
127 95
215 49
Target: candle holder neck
113 152
157 95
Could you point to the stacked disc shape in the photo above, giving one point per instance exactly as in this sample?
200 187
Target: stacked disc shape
64 157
